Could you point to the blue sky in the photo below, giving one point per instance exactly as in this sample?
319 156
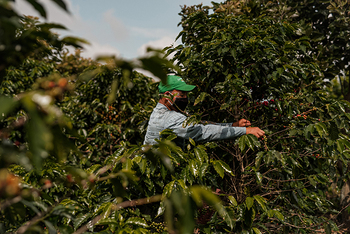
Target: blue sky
114 27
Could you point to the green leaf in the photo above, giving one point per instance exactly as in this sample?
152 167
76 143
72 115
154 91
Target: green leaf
203 169
50 227
80 219
242 143
168 189
113 93
308 131
76 42
7 105
155 65
258 159
257 231
258 177
328 228
192 141
171 137
221 167
224 106
233 201
249 201
61 4
261 201
278 215
51 26
194 167
31 205
321 129
249 141
108 221
341 144
93 168
39 139
199 194
341 107
200 98
279 108
312 181
233 53
201 155
161 209
107 210
38 7
137 221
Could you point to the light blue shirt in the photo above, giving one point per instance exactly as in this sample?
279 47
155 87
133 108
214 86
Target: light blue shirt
162 118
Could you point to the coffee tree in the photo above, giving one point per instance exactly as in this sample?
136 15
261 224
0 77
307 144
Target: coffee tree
324 22
263 69
71 155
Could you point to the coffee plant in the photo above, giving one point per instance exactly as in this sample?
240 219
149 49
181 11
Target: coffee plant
71 129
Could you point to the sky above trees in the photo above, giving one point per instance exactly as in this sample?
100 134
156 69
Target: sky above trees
122 28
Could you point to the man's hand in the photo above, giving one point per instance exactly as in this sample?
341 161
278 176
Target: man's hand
255 131
241 123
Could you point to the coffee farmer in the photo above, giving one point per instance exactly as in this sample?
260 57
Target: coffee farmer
168 114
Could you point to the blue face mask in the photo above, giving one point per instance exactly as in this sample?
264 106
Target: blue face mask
181 103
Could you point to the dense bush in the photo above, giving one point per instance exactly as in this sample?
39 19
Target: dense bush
71 132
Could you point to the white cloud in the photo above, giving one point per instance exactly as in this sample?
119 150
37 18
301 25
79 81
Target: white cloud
147 73
73 22
96 49
107 33
156 44
119 30
151 32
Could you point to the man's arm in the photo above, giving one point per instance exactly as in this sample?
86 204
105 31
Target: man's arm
200 132
208 132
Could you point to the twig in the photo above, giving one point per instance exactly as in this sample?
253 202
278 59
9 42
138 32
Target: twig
39 217
120 206
24 228
8 203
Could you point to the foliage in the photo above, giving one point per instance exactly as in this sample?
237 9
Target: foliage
252 66
68 162
71 154
325 23
19 39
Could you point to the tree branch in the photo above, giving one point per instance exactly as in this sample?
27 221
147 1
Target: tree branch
120 206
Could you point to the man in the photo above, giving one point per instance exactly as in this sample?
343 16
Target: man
168 114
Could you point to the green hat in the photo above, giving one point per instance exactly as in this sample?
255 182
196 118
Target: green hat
175 82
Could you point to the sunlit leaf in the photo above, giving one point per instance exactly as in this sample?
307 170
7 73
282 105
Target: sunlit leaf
137 221
249 201
200 98
221 167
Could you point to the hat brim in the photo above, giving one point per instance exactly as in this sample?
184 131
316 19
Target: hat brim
185 87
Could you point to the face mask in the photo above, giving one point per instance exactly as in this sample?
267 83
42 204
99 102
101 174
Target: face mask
181 103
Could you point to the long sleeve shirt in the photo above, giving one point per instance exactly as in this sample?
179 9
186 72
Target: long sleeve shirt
162 118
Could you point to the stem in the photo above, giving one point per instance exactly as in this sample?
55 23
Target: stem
120 206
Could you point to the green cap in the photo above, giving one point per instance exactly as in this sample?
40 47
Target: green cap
175 82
